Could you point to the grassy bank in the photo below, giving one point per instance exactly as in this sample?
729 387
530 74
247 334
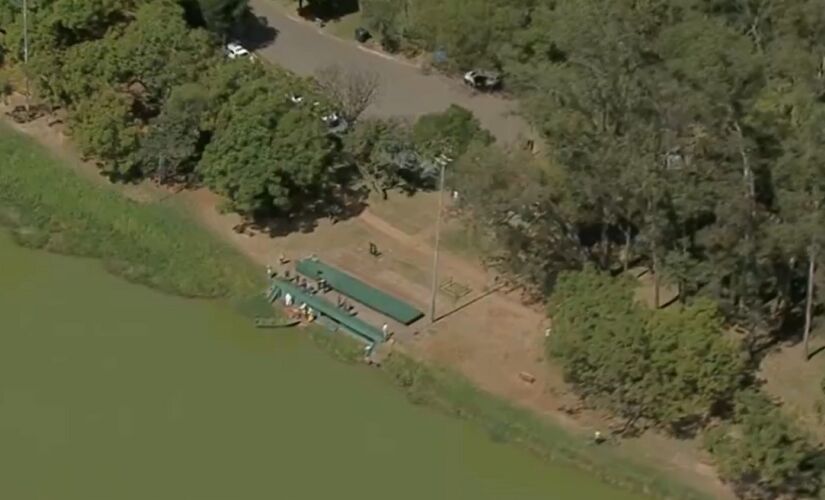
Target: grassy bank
453 394
50 207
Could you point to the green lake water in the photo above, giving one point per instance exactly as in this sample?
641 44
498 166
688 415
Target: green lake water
110 391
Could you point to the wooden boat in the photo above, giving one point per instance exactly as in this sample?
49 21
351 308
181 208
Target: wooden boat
274 323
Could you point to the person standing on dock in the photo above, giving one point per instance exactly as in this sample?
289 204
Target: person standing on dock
288 299
385 330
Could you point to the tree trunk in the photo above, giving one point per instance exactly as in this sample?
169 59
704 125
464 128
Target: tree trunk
626 256
655 279
809 300
604 243
654 255
747 173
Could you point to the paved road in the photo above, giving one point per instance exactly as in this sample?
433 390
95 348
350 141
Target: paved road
405 91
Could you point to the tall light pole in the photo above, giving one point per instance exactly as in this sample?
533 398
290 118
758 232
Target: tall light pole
443 162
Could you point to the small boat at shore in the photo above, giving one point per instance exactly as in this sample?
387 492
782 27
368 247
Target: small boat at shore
275 323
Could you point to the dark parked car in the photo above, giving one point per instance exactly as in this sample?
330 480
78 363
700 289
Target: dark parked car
362 35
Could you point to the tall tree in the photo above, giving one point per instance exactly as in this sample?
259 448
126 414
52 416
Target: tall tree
375 148
170 148
266 158
521 200
727 73
159 51
105 128
449 132
695 368
221 15
653 366
352 90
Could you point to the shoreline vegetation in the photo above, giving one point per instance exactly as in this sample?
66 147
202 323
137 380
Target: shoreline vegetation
49 207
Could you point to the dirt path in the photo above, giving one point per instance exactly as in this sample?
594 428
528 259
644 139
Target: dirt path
404 90
489 340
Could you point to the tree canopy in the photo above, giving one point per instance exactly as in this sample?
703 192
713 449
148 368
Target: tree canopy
764 454
449 132
673 368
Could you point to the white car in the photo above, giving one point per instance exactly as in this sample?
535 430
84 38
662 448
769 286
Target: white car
482 80
235 50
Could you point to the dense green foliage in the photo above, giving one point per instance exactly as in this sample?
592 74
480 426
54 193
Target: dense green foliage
148 94
450 132
685 136
672 368
51 207
218 15
470 32
267 156
764 454
395 154
678 369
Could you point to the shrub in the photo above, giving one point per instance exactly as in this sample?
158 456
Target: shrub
764 454
673 368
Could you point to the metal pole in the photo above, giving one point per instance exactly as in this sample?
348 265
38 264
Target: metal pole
26 48
437 238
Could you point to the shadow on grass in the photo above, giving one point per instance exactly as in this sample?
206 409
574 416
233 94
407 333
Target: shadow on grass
343 206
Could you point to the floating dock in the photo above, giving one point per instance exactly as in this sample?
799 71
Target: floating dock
323 307
359 291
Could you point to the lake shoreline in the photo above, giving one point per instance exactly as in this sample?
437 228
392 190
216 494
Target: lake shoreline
50 207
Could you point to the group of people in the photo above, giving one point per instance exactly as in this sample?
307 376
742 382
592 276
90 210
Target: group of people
342 303
272 273
307 313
